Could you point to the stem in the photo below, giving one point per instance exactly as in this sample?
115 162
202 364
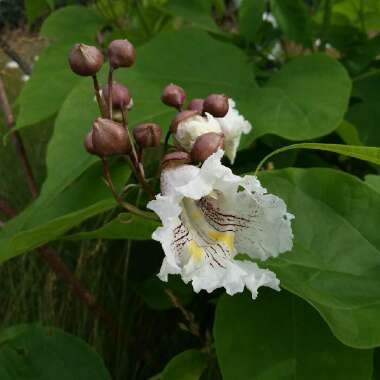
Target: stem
110 78
99 99
7 209
136 164
24 66
17 141
132 209
167 137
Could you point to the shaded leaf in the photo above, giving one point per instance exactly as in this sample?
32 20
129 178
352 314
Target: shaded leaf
187 365
153 292
293 19
279 336
124 226
251 17
365 113
35 352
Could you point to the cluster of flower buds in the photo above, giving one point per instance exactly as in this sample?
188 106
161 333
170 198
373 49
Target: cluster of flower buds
109 134
196 130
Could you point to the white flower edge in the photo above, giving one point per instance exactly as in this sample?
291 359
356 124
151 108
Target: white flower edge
233 125
266 231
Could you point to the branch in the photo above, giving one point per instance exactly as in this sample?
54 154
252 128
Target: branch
56 264
24 66
17 141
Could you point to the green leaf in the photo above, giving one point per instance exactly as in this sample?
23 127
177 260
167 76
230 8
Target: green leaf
304 100
348 133
373 181
251 17
52 78
294 20
279 336
35 9
196 13
124 226
365 112
53 214
365 153
35 352
187 365
335 259
153 292
62 25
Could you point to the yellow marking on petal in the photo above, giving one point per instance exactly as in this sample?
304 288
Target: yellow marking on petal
195 250
228 238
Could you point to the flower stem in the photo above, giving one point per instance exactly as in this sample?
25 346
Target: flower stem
135 162
131 208
110 80
99 99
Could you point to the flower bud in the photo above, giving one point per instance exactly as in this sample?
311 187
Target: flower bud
205 145
109 138
196 105
88 144
85 60
147 135
173 96
180 117
121 97
121 53
175 158
216 105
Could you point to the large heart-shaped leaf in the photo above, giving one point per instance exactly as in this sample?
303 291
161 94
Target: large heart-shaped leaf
35 352
335 261
278 336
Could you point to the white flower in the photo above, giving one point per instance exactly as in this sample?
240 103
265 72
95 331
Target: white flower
209 215
193 127
233 125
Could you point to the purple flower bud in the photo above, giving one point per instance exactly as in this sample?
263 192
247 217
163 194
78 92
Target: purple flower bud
216 105
85 60
173 96
196 105
205 145
180 117
147 135
175 158
121 53
109 138
121 97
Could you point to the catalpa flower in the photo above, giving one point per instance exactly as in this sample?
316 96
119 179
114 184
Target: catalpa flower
209 215
189 125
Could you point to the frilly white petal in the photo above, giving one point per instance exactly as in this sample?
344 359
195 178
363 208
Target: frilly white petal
233 125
